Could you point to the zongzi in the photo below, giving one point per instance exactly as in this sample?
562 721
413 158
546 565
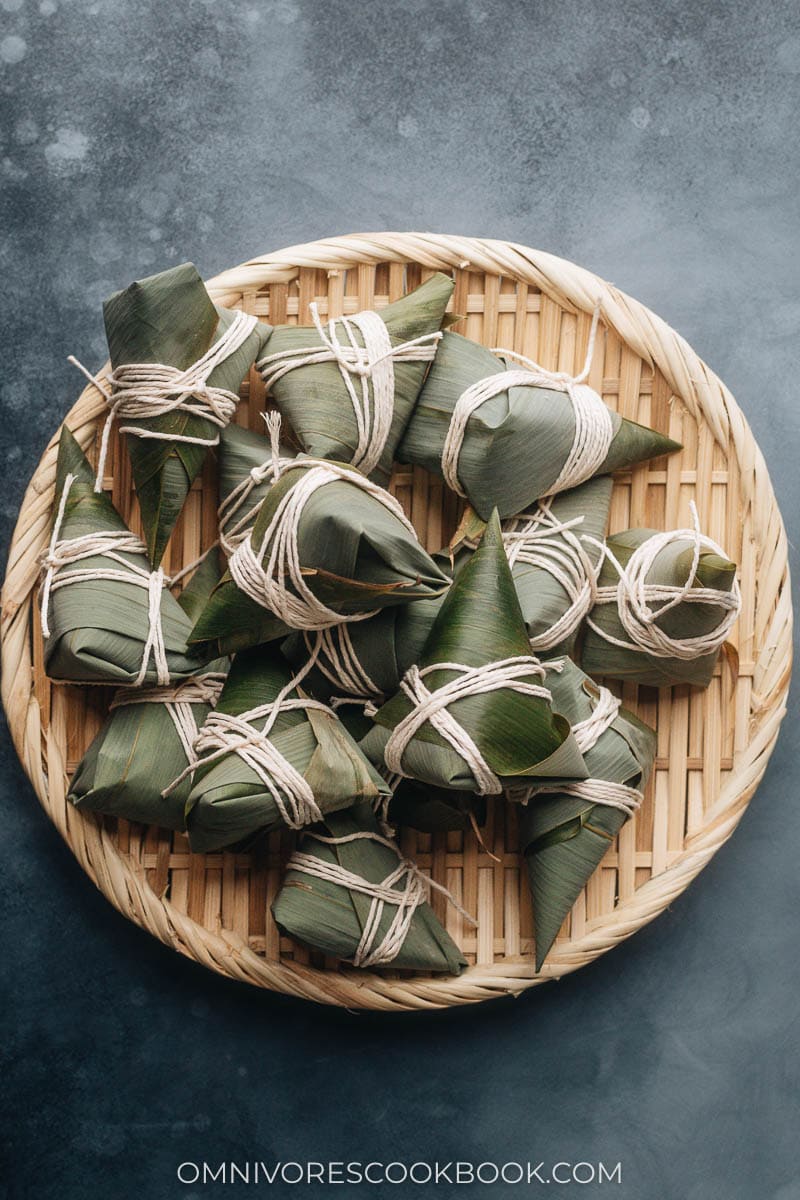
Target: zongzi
665 604
328 546
565 830
177 362
348 388
504 435
349 892
269 757
107 617
475 715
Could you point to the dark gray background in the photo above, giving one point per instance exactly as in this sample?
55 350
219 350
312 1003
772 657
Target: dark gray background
656 144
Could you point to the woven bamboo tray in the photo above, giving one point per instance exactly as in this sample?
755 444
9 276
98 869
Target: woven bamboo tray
713 746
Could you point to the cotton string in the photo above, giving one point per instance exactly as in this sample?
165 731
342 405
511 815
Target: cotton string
594 429
224 734
339 663
640 604
508 674
278 583
540 540
405 888
374 361
598 791
235 526
137 391
178 701
111 545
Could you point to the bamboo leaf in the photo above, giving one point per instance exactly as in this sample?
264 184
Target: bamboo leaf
564 837
516 443
314 399
519 736
332 918
99 627
672 566
356 556
169 318
229 801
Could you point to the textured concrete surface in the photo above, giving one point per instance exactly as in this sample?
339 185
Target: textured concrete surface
657 145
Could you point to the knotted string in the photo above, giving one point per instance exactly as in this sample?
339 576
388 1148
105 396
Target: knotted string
110 545
336 658
510 674
539 539
405 888
587 733
272 574
141 391
224 734
372 362
594 429
235 526
178 701
640 604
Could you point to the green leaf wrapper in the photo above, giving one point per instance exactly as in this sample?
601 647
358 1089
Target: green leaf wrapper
519 736
355 553
435 810
169 318
229 801
542 596
672 566
138 751
515 444
563 837
331 917
314 398
98 628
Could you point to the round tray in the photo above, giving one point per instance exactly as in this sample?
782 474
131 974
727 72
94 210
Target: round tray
713 746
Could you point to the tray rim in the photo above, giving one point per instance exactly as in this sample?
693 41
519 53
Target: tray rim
705 396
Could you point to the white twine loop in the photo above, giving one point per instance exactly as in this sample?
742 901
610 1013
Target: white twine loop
640 604
336 658
405 888
178 701
372 363
136 391
110 545
223 734
597 791
509 675
235 526
587 733
604 713
594 429
272 574
539 539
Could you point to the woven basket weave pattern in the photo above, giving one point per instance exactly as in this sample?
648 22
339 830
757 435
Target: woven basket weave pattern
712 746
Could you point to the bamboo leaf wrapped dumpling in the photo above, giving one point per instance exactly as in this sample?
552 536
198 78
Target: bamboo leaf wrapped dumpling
328 546
107 617
502 435
565 831
666 604
348 388
269 757
177 362
147 739
363 658
476 714
554 552
349 892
